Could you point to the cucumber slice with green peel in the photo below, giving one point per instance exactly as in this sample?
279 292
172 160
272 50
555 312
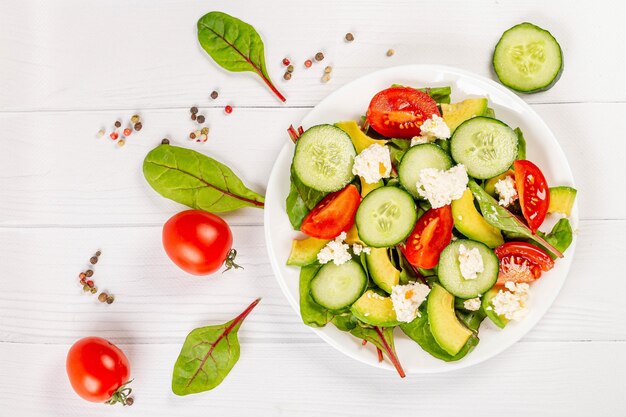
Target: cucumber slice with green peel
417 158
386 217
324 157
449 271
338 286
528 58
485 146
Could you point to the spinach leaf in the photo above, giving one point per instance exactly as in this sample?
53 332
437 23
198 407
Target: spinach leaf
521 144
234 45
499 217
561 235
382 338
419 331
309 196
313 314
345 322
208 355
195 180
471 319
296 208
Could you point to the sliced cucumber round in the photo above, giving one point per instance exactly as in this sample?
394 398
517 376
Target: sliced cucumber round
386 217
417 158
487 147
324 157
338 286
528 59
449 271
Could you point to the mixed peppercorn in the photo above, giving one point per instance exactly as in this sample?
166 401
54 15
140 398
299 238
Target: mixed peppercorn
86 280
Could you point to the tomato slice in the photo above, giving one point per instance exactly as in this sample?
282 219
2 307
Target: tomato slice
521 262
398 112
431 234
333 215
534 195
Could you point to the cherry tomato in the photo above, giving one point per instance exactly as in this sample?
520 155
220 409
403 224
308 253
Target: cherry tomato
534 195
521 262
431 234
198 242
398 112
333 215
97 369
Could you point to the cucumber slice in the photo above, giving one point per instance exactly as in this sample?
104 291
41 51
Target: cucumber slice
417 158
528 59
386 217
324 157
487 147
449 271
338 286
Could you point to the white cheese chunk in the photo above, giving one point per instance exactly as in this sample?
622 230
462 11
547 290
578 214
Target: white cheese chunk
473 304
435 128
373 163
506 190
470 262
407 299
512 303
439 187
358 249
336 251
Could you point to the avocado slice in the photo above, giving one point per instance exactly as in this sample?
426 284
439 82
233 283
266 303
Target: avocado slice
381 270
375 309
352 236
562 200
359 139
304 251
446 328
469 221
367 188
490 184
456 113
498 320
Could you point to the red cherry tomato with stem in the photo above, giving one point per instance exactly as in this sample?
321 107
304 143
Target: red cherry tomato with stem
521 262
398 112
534 194
199 242
333 215
99 371
431 234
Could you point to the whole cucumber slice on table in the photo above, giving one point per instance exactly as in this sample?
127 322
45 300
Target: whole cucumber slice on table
528 59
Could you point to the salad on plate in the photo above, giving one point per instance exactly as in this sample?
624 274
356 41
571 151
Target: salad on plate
424 215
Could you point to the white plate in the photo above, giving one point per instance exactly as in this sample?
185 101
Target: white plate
349 103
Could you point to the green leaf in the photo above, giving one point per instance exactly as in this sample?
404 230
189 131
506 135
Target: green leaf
499 217
521 144
195 180
471 319
313 314
561 235
382 338
419 331
310 196
345 322
208 355
296 208
234 45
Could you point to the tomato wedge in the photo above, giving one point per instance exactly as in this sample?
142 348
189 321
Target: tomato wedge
534 195
521 262
431 234
333 215
398 112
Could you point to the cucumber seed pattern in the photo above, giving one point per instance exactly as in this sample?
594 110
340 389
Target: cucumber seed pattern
385 215
528 58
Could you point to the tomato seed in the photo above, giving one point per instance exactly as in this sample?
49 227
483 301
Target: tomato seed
228 109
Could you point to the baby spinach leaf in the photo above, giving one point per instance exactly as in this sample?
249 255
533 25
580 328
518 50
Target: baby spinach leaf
471 319
195 180
419 331
561 235
310 196
382 338
208 355
296 208
234 45
313 314
521 144
345 322
499 217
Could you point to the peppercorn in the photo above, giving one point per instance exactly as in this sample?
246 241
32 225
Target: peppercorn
214 94
203 137
93 290
82 275
121 143
285 61
308 63
165 141
86 287
127 131
287 75
134 118
129 401
349 37
114 135
90 283
319 56
192 135
390 52
205 130
200 119
89 273
102 297
101 133
290 68
98 253
228 109
326 78
193 116
110 300
193 110
118 123
328 70
93 260
138 126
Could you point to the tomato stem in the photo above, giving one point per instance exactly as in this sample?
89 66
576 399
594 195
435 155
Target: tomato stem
230 261
122 395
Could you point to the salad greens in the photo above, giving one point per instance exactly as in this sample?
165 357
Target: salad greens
312 313
196 180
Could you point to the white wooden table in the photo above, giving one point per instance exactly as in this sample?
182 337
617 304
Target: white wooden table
69 67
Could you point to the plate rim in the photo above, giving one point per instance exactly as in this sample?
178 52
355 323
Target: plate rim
451 366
